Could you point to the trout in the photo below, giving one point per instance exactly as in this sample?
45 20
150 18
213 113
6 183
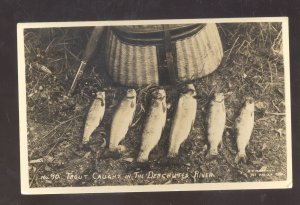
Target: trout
154 124
94 116
216 123
122 119
244 125
184 119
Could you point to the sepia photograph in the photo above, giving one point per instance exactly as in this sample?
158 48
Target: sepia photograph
154 105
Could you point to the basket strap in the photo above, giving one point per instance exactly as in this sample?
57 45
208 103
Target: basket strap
169 54
156 37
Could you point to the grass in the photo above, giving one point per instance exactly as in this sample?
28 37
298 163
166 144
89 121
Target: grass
252 66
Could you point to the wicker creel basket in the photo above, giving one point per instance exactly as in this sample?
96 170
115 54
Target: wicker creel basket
136 55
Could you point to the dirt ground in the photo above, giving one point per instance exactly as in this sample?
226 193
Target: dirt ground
252 66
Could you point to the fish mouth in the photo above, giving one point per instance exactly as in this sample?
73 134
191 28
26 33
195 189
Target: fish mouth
189 90
100 95
130 93
249 100
160 98
159 94
218 97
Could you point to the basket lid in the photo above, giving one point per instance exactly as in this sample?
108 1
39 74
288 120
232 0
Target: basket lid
154 34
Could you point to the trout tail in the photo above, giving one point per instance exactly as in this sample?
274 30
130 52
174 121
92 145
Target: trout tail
241 157
143 157
213 151
118 148
173 151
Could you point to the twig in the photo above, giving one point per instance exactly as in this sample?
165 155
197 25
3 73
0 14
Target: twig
258 128
60 124
277 108
43 68
34 176
229 121
52 148
241 46
55 60
271 73
139 118
35 161
275 113
232 48
28 50
134 124
72 54
262 119
66 60
221 27
46 50
277 40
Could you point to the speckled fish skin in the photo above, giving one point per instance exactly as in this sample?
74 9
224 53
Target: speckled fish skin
216 123
122 120
94 117
154 124
244 127
183 120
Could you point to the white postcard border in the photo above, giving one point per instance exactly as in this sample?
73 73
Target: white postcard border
24 172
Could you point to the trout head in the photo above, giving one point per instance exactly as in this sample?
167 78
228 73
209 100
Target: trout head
101 96
249 104
189 89
159 97
159 94
130 94
218 97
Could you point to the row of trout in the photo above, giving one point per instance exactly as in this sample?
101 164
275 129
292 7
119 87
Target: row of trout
181 126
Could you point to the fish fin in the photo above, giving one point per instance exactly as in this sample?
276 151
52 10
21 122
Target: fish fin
241 157
142 157
132 104
121 148
102 102
221 145
164 107
210 156
213 152
86 137
84 141
171 155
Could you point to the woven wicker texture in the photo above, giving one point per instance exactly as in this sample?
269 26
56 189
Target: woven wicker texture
131 65
137 65
200 54
149 28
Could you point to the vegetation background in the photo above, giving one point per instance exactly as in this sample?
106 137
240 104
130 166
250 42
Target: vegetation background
252 66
